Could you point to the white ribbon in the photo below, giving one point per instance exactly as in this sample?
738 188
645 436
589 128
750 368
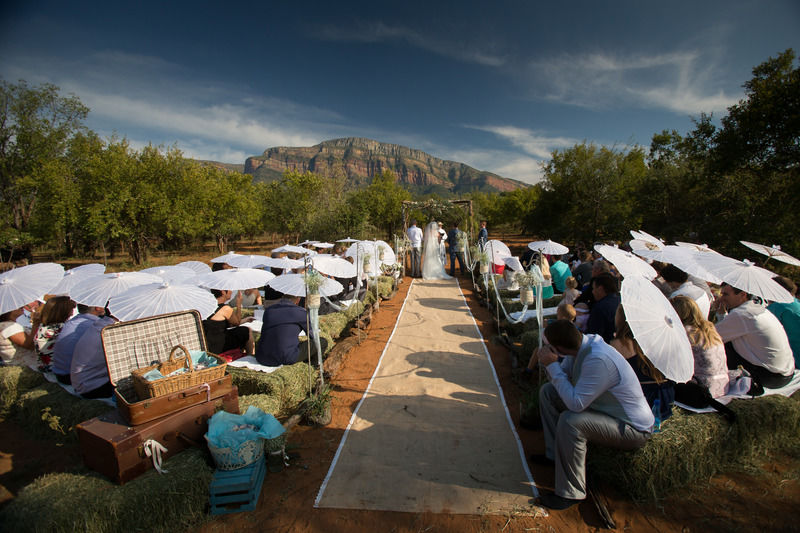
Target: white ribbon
154 449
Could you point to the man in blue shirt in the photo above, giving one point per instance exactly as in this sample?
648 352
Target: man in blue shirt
279 343
70 334
593 396
605 292
483 234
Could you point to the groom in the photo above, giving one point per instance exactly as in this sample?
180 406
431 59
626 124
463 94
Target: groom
454 241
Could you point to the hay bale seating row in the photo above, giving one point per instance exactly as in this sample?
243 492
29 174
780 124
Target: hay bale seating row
83 500
690 447
693 447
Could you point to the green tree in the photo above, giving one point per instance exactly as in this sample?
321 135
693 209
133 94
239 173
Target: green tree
36 125
383 201
587 193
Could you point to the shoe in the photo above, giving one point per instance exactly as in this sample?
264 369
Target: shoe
541 459
556 502
756 389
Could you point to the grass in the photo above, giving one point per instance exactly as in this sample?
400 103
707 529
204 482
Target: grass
84 501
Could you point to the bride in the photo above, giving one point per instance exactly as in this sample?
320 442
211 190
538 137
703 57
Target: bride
432 264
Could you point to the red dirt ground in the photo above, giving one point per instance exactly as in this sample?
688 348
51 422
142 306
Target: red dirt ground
736 502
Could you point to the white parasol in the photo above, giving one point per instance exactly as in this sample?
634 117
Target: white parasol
334 266
283 263
225 258
657 328
347 240
294 284
248 261
290 248
644 236
96 291
682 257
359 249
89 268
307 242
694 246
324 245
198 266
154 299
171 273
772 252
234 279
628 264
23 285
497 251
513 263
548 247
74 275
745 276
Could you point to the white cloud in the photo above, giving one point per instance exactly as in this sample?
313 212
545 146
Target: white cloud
681 82
529 141
502 162
379 32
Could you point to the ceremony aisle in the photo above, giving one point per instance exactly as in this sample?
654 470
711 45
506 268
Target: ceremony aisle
432 432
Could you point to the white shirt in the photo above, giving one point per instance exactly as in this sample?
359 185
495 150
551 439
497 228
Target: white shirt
415 235
758 336
697 294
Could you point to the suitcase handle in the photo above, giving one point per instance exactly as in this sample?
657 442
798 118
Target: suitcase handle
203 387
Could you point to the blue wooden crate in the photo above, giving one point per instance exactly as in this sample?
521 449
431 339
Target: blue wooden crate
232 491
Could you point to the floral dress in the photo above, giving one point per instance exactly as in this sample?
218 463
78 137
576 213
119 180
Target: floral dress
45 342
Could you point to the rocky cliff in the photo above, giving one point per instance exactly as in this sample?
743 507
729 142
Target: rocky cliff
360 159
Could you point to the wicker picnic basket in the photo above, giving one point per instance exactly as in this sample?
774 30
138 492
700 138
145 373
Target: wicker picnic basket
166 385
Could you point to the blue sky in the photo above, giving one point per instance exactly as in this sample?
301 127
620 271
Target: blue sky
496 85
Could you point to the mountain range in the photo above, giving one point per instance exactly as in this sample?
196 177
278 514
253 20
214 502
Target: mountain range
360 159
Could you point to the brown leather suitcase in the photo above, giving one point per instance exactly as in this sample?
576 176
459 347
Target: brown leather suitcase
118 451
139 343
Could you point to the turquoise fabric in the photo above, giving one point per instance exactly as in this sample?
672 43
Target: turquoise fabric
789 316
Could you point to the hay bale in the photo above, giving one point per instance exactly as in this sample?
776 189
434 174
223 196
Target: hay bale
265 402
693 447
333 324
50 411
15 380
288 385
85 501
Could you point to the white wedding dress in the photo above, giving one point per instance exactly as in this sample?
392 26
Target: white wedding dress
432 264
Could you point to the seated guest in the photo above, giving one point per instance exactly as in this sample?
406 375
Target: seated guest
251 297
560 272
89 369
54 313
605 293
654 385
593 396
710 371
678 280
17 344
789 317
754 338
571 291
69 336
599 266
583 272
223 329
279 343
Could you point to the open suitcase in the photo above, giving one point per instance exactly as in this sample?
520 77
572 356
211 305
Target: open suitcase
139 343
122 452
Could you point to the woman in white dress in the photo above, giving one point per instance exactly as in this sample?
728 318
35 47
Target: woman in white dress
432 265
